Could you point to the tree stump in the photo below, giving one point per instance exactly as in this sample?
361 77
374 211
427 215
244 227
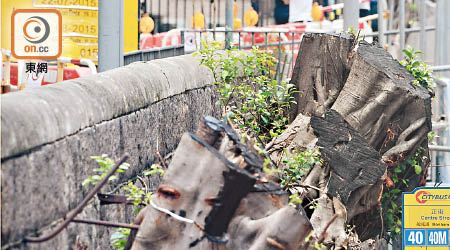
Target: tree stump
211 185
357 106
381 102
368 119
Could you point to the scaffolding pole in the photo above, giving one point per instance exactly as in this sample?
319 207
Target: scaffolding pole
110 35
229 22
351 14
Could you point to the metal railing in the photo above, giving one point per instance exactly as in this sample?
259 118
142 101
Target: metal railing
439 150
152 54
440 68
283 43
441 28
178 14
170 14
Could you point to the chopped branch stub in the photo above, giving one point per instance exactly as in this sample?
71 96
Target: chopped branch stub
199 175
321 217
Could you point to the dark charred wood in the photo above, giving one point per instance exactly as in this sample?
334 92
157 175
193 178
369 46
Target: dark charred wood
353 162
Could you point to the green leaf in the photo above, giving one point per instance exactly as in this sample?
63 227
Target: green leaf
112 178
431 136
224 74
397 170
410 161
124 166
417 169
119 238
395 191
85 182
97 177
408 53
394 206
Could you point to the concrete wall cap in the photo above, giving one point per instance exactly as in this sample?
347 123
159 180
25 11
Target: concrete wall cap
35 117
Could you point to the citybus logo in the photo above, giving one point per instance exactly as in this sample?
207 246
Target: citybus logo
420 198
423 196
36 33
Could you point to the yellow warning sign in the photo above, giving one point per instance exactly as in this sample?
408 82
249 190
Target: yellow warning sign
426 218
67 3
80 47
80 22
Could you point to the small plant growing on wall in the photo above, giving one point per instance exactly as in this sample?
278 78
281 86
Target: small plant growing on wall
138 196
105 165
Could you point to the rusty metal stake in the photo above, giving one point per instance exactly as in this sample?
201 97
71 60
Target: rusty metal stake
163 162
130 240
106 223
106 199
72 214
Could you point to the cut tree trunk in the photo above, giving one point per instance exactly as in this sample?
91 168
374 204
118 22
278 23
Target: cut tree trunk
321 69
357 106
351 179
211 181
376 118
381 102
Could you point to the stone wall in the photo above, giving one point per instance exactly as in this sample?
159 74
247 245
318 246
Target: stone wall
49 134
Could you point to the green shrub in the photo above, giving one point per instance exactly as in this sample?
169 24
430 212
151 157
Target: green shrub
297 164
391 212
251 96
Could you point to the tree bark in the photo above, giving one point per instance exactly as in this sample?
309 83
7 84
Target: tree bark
321 69
351 178
212 181
380 100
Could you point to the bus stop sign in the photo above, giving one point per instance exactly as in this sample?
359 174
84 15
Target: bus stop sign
426 218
